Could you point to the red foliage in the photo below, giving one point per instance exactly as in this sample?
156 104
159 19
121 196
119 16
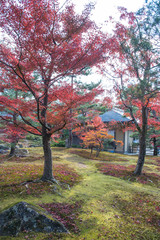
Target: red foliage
65 213
134 62
134 65
94 133
12 134
127 173
44 46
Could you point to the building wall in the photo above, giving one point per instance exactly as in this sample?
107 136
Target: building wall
128 141
119 136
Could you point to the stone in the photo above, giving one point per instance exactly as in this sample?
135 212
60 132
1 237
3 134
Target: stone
23 217
3 149
21 152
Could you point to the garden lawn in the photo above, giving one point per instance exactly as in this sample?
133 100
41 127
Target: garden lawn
97 198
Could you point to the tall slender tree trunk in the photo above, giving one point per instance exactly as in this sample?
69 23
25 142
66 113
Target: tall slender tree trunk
98 151
155 152
142 142
141 156
70 138
48 166
15 141
46 137
91 151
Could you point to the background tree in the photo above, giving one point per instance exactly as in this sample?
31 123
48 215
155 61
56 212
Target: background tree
135 64
154 131
152 18
83 110
88 110
42 38
152 136
11 132
92 108
94 134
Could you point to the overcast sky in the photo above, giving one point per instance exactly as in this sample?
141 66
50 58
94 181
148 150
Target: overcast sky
103 10
106 8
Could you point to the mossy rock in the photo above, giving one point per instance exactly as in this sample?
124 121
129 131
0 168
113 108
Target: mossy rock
23 217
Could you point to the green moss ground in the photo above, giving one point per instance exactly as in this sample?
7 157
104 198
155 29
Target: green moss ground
97 198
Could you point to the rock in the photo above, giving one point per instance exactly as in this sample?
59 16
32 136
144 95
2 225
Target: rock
21 152
26 217
20 145
3 149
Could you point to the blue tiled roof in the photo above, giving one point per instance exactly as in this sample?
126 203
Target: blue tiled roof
113 116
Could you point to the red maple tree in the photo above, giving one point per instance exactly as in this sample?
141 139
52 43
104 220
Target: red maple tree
134 61
43 45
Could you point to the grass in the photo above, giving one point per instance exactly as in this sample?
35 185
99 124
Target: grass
98 198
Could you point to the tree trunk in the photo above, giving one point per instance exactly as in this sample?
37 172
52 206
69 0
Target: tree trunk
70 138
91 151
98 151
15 141
155 152
13 148
141 156
142 142
48 166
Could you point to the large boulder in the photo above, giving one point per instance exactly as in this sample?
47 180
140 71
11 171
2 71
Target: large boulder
26 217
